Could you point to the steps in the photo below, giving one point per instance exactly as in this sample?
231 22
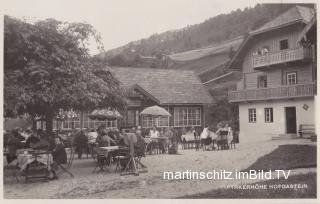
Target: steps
285 137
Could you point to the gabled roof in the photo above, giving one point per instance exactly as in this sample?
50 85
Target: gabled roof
231 74
219 48
307 28
293 15
166 86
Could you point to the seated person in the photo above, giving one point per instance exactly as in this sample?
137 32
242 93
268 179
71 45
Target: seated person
141 144
43 143
13 144
154 133
104 140
230 135
32 139
204 135
59 155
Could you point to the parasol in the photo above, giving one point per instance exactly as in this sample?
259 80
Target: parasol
14 123
105 114
155 111
63 115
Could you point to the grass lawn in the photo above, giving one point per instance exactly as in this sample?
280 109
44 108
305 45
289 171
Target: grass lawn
307 192
287 157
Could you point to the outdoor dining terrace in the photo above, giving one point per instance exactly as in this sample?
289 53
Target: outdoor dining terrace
281 92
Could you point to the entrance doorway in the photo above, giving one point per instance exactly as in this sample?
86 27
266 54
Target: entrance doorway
291 120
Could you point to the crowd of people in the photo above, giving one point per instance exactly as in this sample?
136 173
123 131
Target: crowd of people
85 140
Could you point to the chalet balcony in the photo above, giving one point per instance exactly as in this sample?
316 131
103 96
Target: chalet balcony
283 56
282 92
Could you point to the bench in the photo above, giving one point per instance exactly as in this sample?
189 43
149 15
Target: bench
306 130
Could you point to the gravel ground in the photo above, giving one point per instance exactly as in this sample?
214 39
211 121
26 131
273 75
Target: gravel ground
149 185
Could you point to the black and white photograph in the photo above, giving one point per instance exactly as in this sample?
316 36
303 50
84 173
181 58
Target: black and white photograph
150 99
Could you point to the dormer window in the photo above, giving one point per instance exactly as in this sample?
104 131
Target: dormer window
284 44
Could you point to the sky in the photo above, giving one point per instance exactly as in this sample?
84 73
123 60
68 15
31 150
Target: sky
122 21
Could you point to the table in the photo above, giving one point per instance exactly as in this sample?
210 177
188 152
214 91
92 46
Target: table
157 140
103 152
27 157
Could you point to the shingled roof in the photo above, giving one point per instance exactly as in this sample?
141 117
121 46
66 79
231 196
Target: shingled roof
167 86
293 15
223 47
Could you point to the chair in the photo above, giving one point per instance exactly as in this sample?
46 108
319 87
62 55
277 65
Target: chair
101 159
222 141
133 160
206 142
64 168
153 147
235 139
11 169
121 158
139 152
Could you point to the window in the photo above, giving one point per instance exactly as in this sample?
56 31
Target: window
149 121
291 78
268 115
68 123
187 116
252 115
284 44
262 81
86 122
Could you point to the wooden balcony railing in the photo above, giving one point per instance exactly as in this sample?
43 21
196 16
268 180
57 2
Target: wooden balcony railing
282 57
282 92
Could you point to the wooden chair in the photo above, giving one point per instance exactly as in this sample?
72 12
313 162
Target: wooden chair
65 168
133 161
206 142
121 158
139 153
234 140
222 141
101 159
11 170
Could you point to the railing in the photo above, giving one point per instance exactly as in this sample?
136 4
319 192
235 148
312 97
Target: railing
293 91
282 57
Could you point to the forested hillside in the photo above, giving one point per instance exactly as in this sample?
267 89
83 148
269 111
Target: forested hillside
211 31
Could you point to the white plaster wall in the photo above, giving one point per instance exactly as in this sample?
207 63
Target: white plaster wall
264 131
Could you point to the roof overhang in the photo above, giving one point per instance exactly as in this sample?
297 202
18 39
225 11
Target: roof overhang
307 28
277 27
253 34
146 93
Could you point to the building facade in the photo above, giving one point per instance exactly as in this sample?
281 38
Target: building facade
276 92
180 92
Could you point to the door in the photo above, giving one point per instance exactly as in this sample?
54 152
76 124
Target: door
291 121
129 119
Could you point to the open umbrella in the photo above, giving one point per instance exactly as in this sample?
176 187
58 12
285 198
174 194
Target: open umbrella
14 123
63 115
105 114
155 111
